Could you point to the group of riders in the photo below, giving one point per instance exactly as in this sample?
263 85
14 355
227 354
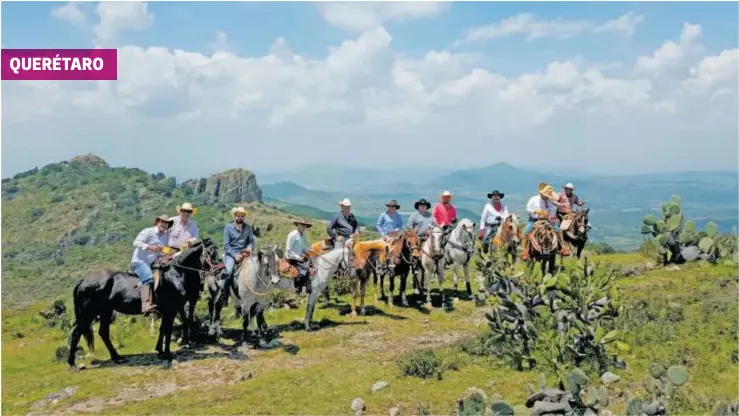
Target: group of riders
171 235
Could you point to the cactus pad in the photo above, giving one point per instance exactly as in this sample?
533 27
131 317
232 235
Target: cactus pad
657 370
706 244
690 226
635 407
650 220
675 222
677 375
711 229
603 397
501 408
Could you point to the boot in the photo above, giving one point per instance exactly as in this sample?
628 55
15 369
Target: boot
565 249
147 305
525 249
223 288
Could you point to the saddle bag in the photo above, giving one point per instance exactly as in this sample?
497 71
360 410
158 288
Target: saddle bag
288 270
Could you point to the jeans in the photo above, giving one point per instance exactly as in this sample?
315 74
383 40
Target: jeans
530 225
143 271
230 263
490 230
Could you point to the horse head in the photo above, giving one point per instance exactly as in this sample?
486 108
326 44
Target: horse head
544 237
210 255
581 222
433 243
269 260
511 230
465 234
411 240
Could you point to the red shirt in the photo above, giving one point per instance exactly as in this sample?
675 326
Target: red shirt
444 215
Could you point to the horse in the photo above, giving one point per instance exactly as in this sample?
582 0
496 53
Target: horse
102 292
459 250
326 265
368 257
327 245
543 246
508 238
402 251
253 279
576 232
432 262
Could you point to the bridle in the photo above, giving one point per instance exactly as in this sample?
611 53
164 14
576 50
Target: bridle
543 229
433 234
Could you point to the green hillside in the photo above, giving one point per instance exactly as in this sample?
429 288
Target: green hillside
67 219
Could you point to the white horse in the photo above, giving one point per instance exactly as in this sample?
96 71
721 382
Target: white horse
432 262
253 279
459 250
326 265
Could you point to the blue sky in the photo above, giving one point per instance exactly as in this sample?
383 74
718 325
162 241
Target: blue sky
252 28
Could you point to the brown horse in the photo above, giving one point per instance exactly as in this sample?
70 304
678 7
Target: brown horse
401 253
508 238
543 244
577 228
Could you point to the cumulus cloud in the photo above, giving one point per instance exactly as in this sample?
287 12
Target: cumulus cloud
70 12
367 104
361 16
532 28
115 17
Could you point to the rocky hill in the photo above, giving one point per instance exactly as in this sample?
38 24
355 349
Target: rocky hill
69 218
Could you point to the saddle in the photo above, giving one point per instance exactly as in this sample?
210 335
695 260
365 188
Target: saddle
566 221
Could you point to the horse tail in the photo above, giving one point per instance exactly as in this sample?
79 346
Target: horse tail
82 315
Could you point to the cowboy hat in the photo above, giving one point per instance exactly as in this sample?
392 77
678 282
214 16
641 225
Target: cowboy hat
496 192
186 207
345 202
392 203
422 201
303 222
164 218
446 193
547 190
238 210
570 186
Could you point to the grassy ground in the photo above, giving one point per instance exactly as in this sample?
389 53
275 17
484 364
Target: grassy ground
321 372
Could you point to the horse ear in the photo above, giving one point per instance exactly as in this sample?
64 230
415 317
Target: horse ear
587 211
280 253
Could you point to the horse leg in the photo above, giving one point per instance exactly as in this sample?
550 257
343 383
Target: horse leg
391 277
467 283
104 332
81 328
440 272
186 324
355 289
245 321
362 290
165 335
580 246
312 299
427 288
211 316
403 283
553 264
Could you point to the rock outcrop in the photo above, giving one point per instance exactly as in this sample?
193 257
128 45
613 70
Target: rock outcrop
89 159
231 186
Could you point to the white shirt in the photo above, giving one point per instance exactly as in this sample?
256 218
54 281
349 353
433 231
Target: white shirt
148 237
180 233
535 203
297 245
489 213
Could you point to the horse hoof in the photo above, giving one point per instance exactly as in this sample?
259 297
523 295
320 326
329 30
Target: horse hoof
211 332
428 306
119 360
74 369
353 314
362 312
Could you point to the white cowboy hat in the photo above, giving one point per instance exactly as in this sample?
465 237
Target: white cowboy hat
570 186
187 207
345 202
446 193
238 210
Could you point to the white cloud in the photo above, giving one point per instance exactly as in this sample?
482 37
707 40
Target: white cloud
532 28
361 16
70 12
115 17
368 104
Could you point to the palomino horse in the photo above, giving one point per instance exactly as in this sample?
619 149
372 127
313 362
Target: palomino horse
326 266
253 279
401 254
368 257
576 228
101 293
432 262
543 246
508 238
459 249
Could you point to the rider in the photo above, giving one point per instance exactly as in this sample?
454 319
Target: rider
389 222
296 250
446 216
149 244
540 205
492 216
421 220
184 229
567 201
343 225
238 237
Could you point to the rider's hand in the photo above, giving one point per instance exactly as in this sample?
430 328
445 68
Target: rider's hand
238 258
157 249
481 234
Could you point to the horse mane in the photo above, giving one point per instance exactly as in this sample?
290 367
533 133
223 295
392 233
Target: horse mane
364 249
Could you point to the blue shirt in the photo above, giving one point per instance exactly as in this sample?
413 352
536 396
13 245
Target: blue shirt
389 222
234 240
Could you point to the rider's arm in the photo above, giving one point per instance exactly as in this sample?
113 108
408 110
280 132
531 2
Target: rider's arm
291 254
532 207
140 241
249 237
227 243
330 227
380 222
195 231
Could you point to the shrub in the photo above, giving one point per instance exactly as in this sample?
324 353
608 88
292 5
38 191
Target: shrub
422 364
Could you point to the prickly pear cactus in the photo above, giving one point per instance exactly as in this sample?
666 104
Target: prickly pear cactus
680 241
475 403
661 384
579 397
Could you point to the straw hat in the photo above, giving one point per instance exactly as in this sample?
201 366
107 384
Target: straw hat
345 203
392 203
238 210
546 190
303 222
187 207
446 193
164 218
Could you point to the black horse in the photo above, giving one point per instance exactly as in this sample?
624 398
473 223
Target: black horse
401 255
103 292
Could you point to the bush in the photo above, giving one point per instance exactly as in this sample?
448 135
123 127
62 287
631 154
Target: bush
422 364
37 213
81 239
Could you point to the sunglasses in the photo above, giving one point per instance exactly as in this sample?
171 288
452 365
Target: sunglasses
186 211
